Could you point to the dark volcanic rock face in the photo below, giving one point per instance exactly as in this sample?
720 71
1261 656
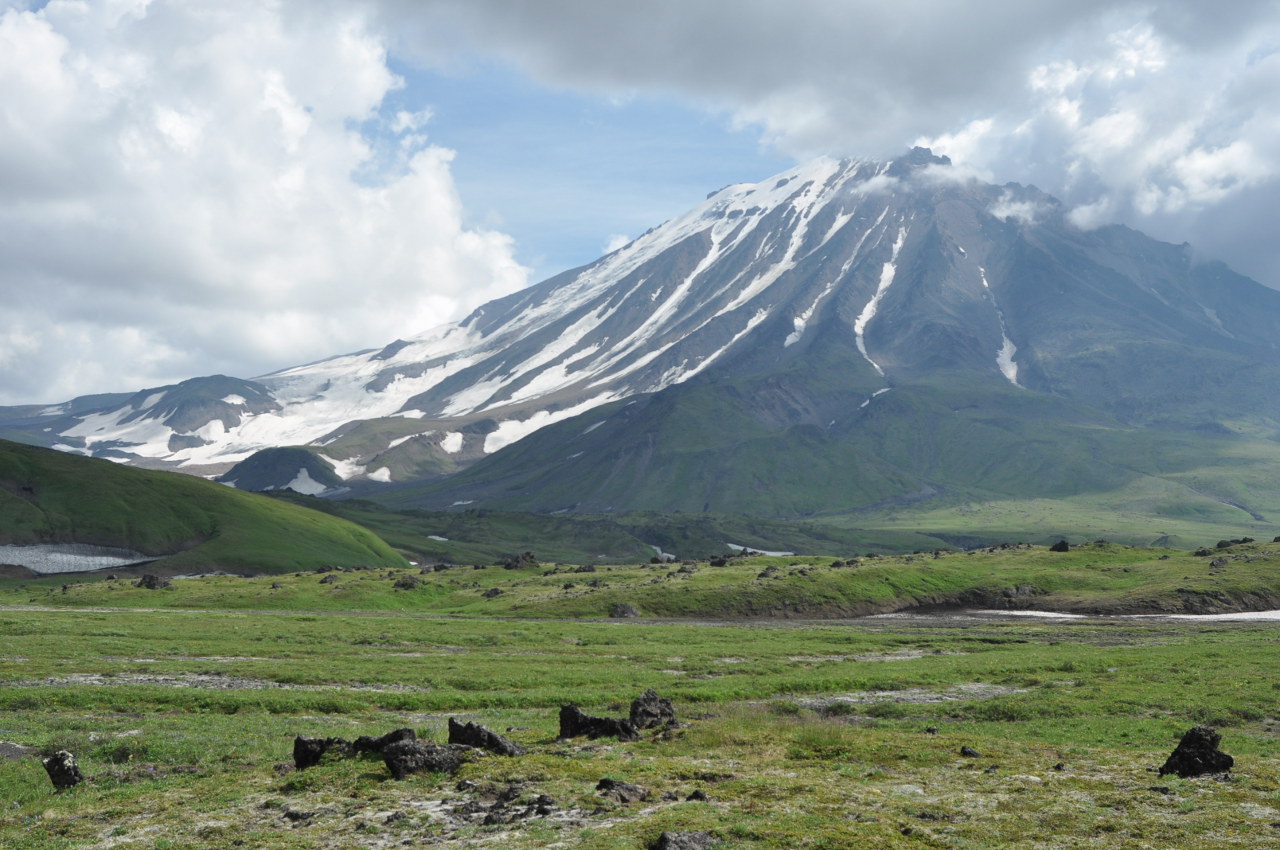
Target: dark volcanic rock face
650 710
407 757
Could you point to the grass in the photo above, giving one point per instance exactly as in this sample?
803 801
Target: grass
800 734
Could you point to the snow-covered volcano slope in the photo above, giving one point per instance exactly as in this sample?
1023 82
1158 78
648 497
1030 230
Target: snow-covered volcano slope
925 270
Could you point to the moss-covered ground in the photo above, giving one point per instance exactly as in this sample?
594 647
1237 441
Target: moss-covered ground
182 704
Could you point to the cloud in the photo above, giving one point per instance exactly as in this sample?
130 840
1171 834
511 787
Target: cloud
1163 114
198 188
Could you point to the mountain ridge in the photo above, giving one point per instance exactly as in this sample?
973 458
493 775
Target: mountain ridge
828 292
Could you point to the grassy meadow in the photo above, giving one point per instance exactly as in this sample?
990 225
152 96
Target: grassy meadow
181 705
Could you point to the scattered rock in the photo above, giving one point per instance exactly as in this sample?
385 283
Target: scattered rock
1218 562
575 723
15 752
480 737
586 568
150 582
406 583
995 768
1062 765
1060 546
521 561
63 771
970 752
683 841
623 609
307 752
622 792
406 757
367 744
650 710
698 796
492 592
1197 754
931 730
329 579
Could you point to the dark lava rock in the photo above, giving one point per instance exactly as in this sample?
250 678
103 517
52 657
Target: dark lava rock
650 710
367 744
623 609
718 562
492 592
405 757
683 841
407 583
63 771
1060 546
970 752
623 792
574 723
150 582
931 730
475 735
307 752
329 579
519 562
1197 754
698 796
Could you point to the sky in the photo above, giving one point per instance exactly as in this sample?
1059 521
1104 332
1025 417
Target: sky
194 187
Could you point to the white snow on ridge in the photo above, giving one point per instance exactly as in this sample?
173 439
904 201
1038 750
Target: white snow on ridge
152 400
887 274
452 442
1004 357
382 475
238 400
874 395
735 547
516 429
346 469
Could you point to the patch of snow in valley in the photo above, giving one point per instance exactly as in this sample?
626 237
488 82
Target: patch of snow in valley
234 399
437 536
463 502
152 400
382 475
735 547
591 428
49 559
452 442
346 469
400 441
305 484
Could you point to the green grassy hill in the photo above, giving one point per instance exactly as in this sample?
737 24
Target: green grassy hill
188 523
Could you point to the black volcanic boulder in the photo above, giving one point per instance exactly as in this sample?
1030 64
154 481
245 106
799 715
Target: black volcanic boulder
575 723
683 841
1197 754
622 792
621 610
480 737
150 582
368 744
406 757
650 710
1060 546
307 752
63 771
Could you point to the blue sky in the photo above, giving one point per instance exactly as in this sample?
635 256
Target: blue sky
564 171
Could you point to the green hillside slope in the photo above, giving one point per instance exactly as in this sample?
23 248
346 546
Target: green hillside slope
190 524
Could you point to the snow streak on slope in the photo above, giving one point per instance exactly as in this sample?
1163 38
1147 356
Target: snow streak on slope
869 312
1004 357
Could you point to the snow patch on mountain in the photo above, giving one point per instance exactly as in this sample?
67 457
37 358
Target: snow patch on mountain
887 274
1004 357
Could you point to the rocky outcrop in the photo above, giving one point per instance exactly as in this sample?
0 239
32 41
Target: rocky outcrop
622 792
408 757
575 723
474 735
650 710
1197 754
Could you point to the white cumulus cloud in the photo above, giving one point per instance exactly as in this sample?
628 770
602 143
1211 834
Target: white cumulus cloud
188 188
